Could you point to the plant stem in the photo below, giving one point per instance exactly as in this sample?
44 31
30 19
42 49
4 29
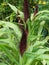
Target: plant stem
23 42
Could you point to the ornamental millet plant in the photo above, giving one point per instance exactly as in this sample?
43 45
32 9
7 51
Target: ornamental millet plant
25 45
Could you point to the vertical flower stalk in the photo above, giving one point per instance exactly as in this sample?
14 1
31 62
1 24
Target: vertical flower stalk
23 42
26 10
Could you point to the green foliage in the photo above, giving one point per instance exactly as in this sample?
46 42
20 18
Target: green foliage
36 53
9 33
10 55
39 23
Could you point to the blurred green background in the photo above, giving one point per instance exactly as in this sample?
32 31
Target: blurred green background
5 11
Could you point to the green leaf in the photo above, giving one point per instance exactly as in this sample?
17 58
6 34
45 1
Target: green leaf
21 15
3 64
12 26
